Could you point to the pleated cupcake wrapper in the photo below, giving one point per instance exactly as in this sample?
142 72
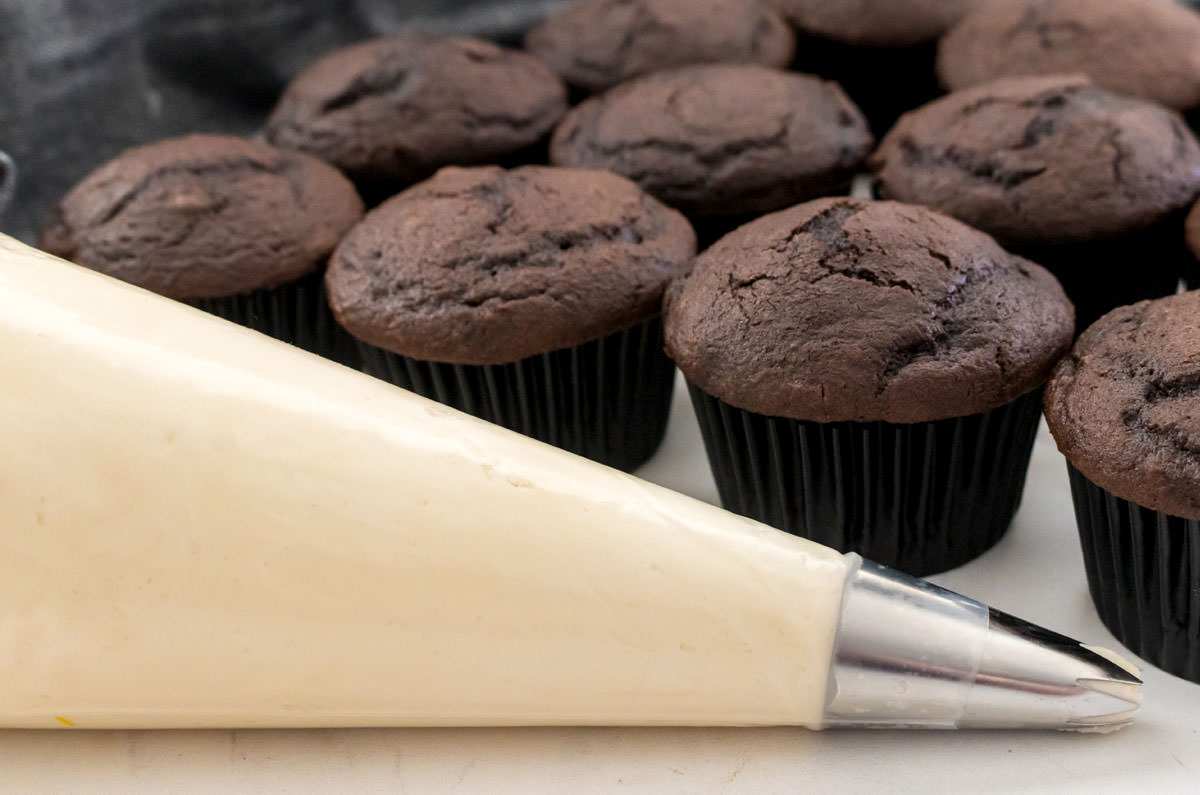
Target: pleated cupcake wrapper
1143 570
607 400
1101 275
297 313
921 498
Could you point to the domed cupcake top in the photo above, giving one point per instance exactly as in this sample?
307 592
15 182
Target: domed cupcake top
852 310
595 44
1124 407
487 266
401 107
720 139
885 23
1038 160
1144 48
204 216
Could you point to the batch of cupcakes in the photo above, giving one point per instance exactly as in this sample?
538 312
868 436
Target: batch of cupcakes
919 224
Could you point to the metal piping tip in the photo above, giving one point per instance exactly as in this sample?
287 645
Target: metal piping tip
912 654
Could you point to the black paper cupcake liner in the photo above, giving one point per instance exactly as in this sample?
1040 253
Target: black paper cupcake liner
297 313
607 400
1143 571
1101 275
921 498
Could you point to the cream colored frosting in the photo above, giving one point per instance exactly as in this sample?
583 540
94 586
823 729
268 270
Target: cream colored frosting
200 526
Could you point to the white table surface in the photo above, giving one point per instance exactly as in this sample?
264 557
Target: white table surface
1036 572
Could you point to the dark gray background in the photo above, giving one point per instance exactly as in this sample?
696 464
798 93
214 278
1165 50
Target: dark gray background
84 79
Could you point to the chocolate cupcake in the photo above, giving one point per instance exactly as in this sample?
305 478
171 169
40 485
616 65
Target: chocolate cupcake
596 44
720 141
1143 48
883 52
530 298
236 227
1090 184
867 374
1124 408
392 111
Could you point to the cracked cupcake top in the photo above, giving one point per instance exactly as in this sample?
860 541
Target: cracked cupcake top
487 266
204 216
721 139
1042 160
1144 48
399 108
878 23
595 44
852 310
1124 407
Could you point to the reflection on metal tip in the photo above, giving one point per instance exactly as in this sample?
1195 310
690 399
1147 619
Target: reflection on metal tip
1129 691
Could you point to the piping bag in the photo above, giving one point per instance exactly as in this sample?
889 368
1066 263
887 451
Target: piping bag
203 527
